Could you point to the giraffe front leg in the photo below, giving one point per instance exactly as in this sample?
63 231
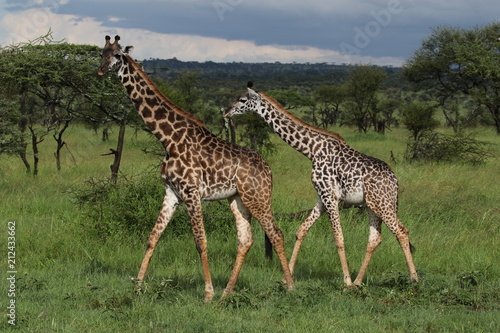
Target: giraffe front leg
333 212
303 230
193 206
339 243
170 203
245 240
374 240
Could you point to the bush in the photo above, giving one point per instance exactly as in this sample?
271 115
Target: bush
256 134
127 206
418 118
132 207
432 146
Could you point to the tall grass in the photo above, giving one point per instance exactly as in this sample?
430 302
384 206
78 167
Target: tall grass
70 280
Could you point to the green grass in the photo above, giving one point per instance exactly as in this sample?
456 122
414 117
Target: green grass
69 280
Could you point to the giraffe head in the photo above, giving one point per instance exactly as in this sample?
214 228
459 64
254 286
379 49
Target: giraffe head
248 102
112 55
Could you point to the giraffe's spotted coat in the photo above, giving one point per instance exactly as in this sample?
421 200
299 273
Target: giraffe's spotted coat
339 174
199 166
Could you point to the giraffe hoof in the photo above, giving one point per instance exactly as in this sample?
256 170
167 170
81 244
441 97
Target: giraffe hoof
226 292
351 287
208 297
138 285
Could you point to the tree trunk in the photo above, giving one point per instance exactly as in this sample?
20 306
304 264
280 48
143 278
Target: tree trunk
60 144
115 167
22 127
22 155
495 114
380 127
105 133
34 143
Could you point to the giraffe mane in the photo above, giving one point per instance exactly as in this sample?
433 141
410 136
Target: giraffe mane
162 97
297 120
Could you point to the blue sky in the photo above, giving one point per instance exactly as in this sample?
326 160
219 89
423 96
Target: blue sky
384 32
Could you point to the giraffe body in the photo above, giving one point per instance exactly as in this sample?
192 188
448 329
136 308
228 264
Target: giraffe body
199 166
339 174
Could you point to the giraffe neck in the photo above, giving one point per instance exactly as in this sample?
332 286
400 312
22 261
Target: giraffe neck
167 122
295 132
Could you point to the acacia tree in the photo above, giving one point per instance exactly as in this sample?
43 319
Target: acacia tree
27 71
290 99
328 101
10 134
188 96
455 62
385 115
105 101
361 91
418 118
53 83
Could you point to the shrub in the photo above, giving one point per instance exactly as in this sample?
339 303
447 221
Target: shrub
127 206
419 118
132 206
433 146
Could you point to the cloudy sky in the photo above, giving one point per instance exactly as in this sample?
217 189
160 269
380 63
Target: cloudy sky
384 32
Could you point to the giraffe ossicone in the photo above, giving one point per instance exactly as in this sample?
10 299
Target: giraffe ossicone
339 174
198 166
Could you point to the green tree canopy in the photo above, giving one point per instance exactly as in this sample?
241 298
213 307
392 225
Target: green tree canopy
418 118
328 99
455 61
361 90
50 83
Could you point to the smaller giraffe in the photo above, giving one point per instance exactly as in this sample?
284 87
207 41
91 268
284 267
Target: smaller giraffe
340 174
198 166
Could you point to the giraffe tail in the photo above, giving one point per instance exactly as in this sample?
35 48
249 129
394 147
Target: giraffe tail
269 248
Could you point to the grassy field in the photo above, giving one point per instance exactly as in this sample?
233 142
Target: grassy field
69 280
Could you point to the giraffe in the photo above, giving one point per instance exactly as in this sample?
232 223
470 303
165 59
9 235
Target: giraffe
339 174
198 166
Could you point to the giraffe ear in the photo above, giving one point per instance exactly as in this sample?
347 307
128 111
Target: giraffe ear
252 94
128 49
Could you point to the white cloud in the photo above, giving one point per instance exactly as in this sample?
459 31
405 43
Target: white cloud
114 19
29 24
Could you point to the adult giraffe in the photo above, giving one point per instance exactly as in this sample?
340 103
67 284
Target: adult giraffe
198 166
339 173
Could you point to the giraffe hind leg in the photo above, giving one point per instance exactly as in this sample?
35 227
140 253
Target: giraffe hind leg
170 203
262 212
390 218
402 235
193 206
